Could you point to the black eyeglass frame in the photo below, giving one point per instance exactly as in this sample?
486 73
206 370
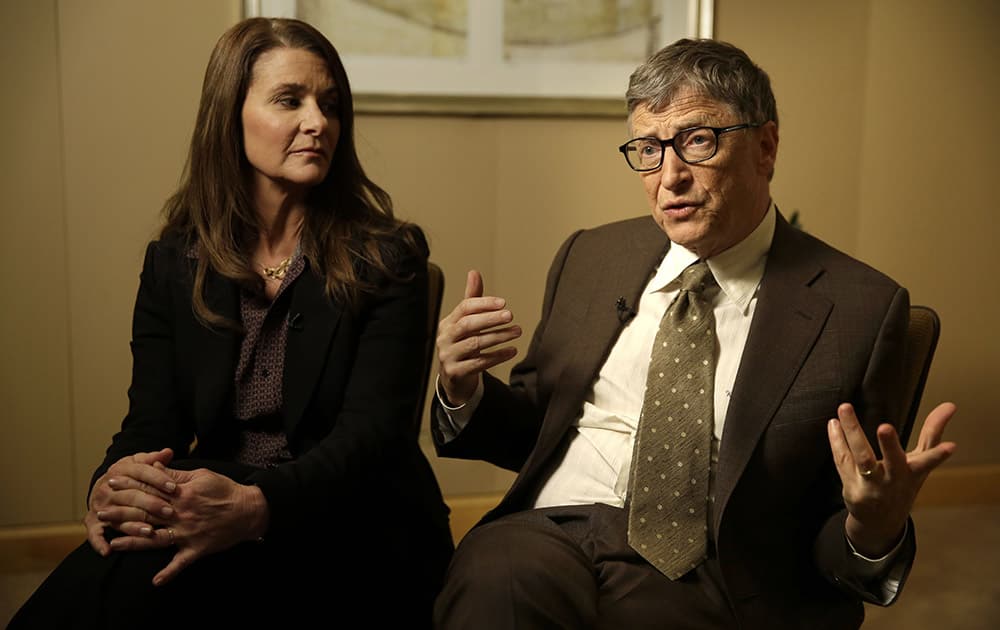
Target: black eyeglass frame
669 142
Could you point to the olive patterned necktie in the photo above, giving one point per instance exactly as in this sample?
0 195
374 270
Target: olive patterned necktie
669 479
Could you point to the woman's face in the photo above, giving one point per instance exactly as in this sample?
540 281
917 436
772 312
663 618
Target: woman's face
290 121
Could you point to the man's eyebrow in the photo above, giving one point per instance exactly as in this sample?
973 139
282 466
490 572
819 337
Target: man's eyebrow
654 132
692 123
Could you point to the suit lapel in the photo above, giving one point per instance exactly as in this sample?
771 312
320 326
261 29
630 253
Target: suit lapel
620 269
312 319
788 319
624 272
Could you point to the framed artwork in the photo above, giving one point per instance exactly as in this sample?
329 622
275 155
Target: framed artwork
494 57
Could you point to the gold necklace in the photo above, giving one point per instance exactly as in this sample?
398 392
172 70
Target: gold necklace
278 271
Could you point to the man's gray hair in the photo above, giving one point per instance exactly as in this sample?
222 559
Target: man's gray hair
715 69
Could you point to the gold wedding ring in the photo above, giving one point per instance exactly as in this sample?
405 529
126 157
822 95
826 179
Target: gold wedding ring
170 532
866 473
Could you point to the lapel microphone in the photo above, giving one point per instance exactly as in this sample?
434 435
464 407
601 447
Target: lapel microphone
295 321
625 312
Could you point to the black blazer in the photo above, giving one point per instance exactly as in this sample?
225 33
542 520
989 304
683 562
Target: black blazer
827 329
350 390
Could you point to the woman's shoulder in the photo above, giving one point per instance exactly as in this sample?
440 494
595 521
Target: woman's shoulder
390 256
408 241
168 242
169 251
403 247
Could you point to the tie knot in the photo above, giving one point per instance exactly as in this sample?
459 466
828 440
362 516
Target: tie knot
696 277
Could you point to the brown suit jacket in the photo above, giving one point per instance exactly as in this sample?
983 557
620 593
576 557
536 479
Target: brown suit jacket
827 329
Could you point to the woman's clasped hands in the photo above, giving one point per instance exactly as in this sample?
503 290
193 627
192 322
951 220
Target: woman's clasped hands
147 505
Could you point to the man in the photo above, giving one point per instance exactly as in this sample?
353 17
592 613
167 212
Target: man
671 422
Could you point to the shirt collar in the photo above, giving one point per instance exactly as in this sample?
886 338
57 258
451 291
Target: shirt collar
738 270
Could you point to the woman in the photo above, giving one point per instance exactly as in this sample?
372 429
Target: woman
267 471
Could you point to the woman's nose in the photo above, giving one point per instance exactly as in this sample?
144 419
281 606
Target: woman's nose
314 120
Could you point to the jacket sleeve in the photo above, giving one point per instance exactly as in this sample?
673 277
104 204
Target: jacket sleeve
153 418
878 401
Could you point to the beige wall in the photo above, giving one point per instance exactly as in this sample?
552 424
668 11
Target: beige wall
36 455
504 213
99 112
130 75
99 101
929 202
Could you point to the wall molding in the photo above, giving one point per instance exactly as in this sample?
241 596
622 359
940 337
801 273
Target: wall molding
38 547
961 485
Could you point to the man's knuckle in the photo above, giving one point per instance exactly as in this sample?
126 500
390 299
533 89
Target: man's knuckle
474 344
460 328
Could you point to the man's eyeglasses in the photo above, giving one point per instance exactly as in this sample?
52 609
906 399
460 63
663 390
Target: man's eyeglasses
692 146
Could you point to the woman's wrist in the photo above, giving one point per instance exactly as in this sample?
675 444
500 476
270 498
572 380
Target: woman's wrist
256 511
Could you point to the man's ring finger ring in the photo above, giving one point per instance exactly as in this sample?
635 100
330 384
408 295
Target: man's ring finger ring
170 533
866 473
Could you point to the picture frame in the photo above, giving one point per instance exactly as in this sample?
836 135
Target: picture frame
494 57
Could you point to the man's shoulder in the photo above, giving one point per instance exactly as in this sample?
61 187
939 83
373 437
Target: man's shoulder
640 228
613 252
807 247
634 225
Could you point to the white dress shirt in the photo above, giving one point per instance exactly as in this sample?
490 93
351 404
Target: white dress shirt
596 465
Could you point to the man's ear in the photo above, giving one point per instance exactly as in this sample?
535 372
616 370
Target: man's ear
768 148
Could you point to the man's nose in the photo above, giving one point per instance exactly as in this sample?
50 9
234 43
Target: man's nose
675 173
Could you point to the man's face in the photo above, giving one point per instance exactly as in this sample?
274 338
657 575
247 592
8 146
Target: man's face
710 206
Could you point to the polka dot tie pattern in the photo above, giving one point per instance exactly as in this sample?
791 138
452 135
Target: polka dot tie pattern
669 480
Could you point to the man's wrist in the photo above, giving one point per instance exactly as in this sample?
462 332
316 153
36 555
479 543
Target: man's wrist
443 397
870 545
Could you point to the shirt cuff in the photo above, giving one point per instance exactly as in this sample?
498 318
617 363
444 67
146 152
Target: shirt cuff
452 419
882 570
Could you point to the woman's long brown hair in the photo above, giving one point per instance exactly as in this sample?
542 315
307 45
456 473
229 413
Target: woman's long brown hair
348 215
